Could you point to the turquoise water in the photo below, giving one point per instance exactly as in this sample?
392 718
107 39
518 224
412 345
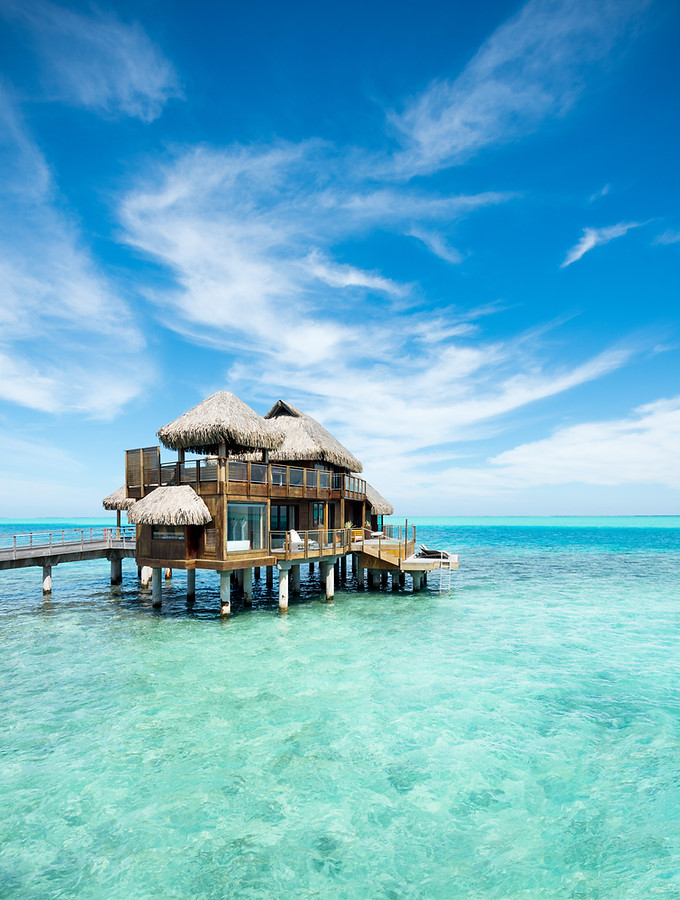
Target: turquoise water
516 738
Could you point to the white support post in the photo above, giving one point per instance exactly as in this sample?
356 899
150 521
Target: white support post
225 593
248 587
283 585
295 580
156 598
116 570
145 576
328 579
168 574
47 579
417 581
191 585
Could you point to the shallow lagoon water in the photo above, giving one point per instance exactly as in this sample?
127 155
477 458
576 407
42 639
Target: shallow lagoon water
518 737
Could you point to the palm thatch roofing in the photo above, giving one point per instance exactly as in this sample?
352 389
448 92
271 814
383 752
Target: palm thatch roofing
307 439
170 505
222 417
118 500
379 506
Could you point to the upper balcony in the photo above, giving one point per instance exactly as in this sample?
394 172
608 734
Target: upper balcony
144 471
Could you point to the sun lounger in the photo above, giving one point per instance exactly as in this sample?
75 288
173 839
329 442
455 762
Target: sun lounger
297 543
426 553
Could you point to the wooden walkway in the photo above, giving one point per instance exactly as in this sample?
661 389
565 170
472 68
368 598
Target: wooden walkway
49 548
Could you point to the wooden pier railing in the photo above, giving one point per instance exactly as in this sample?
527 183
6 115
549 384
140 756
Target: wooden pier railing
15 546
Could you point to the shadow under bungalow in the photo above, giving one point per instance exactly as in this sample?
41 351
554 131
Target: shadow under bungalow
277 491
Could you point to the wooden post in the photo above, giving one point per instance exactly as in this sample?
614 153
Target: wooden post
247 575
355 564
395 580
225 593
361 574
343 569
257 573
270 576
116 570
283 585
402 579
156 597
311 568
168 574
191 584
47 579
383 579
295 580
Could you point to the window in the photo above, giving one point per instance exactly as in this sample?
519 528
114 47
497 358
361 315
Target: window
245 526
317 514
167 532
282 518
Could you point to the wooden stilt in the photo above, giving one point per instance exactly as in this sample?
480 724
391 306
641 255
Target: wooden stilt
395 580
156 597
116 570
283 585
225 593
270 577
257 573
295 580
248 587
191 585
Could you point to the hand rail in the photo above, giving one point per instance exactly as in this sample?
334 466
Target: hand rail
67 537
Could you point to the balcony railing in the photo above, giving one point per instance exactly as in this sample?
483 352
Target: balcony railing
144 471
310 544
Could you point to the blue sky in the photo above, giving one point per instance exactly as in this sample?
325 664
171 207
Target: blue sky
450 231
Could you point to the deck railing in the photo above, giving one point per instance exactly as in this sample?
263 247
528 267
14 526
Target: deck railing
67 539
145 471
310 544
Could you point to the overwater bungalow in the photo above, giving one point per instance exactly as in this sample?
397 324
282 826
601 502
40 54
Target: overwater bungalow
259 493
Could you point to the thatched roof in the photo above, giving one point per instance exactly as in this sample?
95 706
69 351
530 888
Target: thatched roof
170 505
118 500
220 417
307 439
379 506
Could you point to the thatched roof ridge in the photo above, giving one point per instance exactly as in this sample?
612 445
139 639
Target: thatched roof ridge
379 506
170 505
118 500
307 439
220 417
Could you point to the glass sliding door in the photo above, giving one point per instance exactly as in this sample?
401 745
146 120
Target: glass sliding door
246 526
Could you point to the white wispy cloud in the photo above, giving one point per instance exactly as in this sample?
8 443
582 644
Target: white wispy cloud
437 245
96 61
250 241
668 237
598 195
594 237
68 340
641 448
534 66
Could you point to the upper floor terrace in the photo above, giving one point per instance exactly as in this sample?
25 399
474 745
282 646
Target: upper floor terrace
144 471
